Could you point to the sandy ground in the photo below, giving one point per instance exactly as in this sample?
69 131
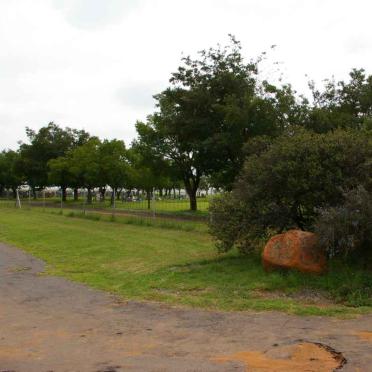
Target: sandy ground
50 324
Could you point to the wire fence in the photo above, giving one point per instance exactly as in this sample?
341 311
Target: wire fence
138 206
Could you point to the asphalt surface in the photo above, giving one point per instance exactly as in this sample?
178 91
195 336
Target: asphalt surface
51 324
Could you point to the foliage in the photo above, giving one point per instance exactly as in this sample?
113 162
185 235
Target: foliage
342 104
10 174
149 170
113 163
346 230
91 164
283 186
214 105
229 225
85 166
60 173
50 142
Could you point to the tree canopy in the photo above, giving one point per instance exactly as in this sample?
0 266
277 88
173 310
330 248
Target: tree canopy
213 105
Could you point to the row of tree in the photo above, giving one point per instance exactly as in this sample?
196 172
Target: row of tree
69 158
202 128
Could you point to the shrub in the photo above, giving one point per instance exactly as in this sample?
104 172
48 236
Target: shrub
285 184
229 225
347 229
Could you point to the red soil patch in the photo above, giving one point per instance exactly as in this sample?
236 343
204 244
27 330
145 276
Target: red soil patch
365 335
306 356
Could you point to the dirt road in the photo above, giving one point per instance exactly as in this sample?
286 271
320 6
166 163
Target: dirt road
51 324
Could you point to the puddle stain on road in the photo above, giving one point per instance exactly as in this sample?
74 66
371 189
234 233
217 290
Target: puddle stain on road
307 356
365 335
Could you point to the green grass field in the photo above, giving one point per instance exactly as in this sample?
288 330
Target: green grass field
165 206
145 262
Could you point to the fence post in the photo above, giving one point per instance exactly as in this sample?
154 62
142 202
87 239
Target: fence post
113 202
153 204
18 200
84 201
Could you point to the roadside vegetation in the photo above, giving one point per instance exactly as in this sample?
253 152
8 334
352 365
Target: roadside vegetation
176 266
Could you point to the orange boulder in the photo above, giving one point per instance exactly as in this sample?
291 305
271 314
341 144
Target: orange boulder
294 249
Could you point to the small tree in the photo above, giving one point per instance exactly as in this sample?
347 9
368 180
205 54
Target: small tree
60 174
85 166
11 176
113 165
147 169
49 142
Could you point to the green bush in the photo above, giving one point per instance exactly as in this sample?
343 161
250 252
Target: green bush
346 230
230 226
285 183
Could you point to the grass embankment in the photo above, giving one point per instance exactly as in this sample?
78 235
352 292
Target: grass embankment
170 265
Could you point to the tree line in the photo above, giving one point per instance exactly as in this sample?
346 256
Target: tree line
71 158
216 112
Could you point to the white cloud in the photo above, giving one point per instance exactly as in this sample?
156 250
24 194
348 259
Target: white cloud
95 13
139 94
96 63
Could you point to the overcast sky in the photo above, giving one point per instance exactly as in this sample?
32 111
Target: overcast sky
95 64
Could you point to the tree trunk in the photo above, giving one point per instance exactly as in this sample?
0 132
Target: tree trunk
193 202
76 194
118 193
33 188
191 186
113 192
128 194
14 192
148 195
89 196
102 193
64 193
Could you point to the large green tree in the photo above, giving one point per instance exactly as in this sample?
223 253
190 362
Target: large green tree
212 107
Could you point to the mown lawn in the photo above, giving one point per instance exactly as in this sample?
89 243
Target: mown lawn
173 266
168 206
